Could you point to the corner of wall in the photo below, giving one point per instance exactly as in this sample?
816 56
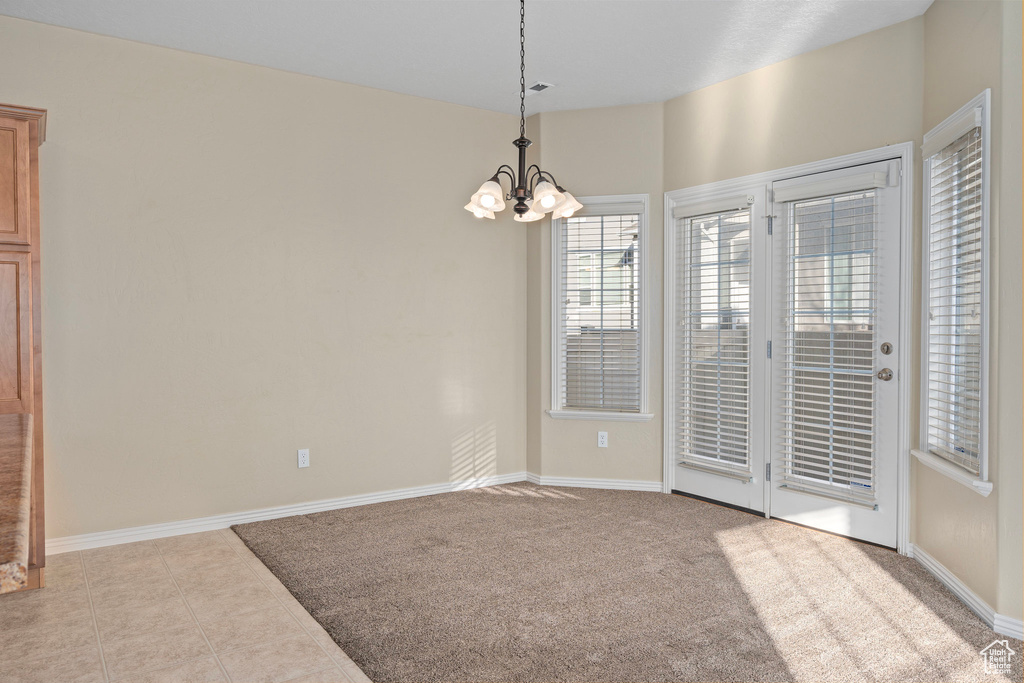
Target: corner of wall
1010 402
534 323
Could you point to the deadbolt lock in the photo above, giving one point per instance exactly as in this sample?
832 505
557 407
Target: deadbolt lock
886 348
885 374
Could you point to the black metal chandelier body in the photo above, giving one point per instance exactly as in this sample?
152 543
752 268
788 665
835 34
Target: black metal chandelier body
534 191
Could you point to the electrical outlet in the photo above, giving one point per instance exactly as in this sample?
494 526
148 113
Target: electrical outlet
303 457
602 439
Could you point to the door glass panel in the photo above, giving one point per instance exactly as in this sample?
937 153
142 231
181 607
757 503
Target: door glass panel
828 401
712 419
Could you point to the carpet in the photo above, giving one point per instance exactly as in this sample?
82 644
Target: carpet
528 583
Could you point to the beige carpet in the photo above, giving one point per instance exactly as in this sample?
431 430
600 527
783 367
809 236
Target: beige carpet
528 583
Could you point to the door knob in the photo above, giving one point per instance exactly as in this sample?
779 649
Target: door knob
885 374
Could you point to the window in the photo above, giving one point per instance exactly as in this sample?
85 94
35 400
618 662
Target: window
713 352
955 325
827 354
598 316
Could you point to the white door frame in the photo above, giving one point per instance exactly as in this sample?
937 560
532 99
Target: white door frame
691 195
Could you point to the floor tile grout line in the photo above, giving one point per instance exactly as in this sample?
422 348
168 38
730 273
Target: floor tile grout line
330 669
191 613
162 667
189 660
92 611
223 532
172 628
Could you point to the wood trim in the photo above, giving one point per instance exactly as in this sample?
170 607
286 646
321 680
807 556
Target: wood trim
18 232
20 245
35 579
37 546
21 336
26 114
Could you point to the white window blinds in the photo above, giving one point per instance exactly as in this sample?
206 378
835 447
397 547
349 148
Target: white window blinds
598 336
954 305
712 419
827 355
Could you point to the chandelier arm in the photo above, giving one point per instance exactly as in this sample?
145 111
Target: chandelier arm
506 170
539 174
532 174
553 181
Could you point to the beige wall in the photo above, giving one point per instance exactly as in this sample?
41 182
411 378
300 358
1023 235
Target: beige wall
1010 600
849 97
615 150
536 325
979 539
240 262
885 87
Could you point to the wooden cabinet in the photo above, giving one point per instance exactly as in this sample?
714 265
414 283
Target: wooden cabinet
22 130
15 332
14 181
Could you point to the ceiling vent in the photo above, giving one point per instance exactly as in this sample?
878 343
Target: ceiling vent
539 86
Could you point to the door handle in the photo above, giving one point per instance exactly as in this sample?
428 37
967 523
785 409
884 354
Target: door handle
885 374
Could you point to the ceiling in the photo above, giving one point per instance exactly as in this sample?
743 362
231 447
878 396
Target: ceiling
597 53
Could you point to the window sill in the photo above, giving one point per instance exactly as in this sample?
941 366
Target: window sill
600 415
957 474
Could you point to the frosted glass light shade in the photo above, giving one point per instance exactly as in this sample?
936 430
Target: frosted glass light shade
490 190
567 208
546 197
478 211
529 216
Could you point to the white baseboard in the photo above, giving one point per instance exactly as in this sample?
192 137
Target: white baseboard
615 484
1008 626
56 546
1001 624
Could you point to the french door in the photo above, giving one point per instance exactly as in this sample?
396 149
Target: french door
720 331
786 320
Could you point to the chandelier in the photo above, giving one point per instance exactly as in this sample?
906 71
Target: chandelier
535 192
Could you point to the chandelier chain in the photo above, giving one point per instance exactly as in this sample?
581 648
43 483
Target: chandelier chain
522 68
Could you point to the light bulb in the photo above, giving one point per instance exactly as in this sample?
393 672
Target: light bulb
545 197
567 207
479 213
487 201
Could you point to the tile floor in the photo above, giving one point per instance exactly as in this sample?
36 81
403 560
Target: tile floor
190 608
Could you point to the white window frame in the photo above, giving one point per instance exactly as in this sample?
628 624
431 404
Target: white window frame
608 205
975 112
